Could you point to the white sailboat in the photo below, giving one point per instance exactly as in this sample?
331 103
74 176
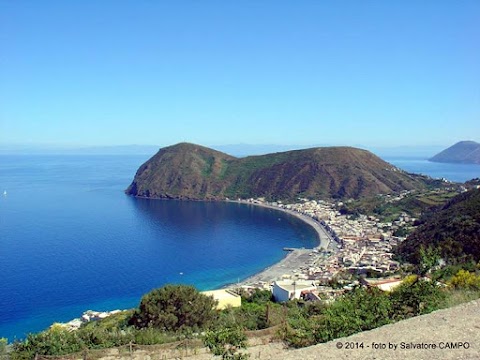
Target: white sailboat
4 192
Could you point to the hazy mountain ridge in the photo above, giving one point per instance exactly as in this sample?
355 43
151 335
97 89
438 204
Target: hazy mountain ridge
463 152
188 171
238 150
39 149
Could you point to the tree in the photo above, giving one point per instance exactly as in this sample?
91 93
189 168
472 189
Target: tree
428 259
416 297
359 310
175 308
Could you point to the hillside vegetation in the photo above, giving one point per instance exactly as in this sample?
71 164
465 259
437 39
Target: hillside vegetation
188 171
453 231
297 323
414 204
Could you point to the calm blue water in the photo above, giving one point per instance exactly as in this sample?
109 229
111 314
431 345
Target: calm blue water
71 240
452 172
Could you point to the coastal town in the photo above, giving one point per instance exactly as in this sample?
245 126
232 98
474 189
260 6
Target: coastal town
353 250
360 246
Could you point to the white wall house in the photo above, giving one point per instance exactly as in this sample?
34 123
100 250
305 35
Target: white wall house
284 290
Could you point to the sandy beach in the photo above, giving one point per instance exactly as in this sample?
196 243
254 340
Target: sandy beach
295 259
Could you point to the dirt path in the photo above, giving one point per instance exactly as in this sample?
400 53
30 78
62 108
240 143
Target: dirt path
458 324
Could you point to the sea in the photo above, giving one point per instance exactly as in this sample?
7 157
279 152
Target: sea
71 240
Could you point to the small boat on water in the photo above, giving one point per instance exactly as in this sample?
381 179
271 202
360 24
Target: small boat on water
4 192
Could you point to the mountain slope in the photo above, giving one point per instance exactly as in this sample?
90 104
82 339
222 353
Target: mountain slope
183 171
454 231
188 171
463 152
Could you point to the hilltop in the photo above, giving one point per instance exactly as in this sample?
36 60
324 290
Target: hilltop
189 171
463 152
454 231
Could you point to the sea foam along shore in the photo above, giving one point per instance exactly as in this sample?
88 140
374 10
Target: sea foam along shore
294 259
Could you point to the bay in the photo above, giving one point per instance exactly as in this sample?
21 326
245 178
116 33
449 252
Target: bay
71 240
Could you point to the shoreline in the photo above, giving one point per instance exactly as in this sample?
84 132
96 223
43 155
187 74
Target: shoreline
294 259
323 237
292 262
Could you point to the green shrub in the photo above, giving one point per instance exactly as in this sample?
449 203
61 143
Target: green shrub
226 342
259 297
97 337
416 298
428 259
54 341
151 336
361 309
257 312
175 308
252 316
301 331
3 347
466 280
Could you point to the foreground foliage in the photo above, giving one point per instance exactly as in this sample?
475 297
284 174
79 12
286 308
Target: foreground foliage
363 309
3 348
227 342
175 308
185 313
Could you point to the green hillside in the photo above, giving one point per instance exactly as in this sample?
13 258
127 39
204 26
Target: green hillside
188 171
454 231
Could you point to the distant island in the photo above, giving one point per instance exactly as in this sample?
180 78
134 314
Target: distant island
193 172
463 152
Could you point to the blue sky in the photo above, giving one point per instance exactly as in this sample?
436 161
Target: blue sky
378 73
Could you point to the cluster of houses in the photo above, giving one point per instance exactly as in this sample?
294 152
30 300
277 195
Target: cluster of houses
363 242
360 245
285 290
363 246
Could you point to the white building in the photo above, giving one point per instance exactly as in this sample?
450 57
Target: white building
284 290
